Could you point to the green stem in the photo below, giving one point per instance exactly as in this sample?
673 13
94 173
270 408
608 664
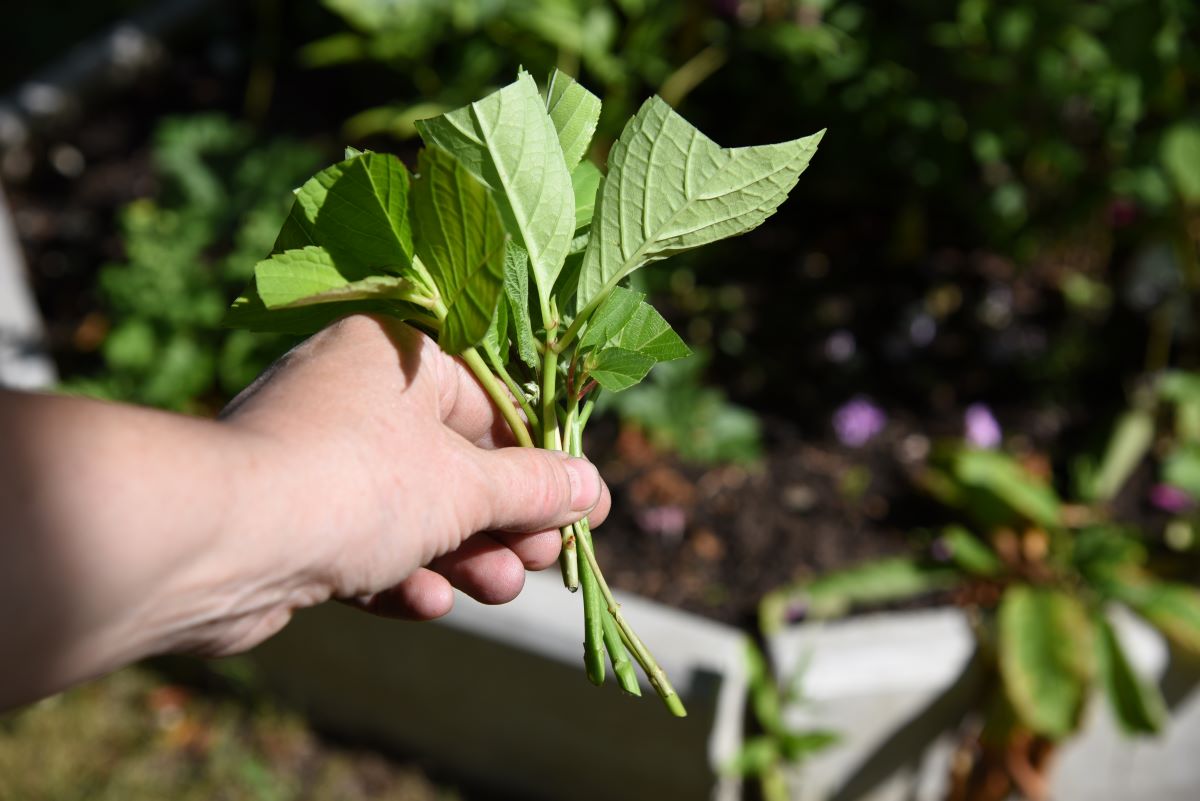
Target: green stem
568 559
625 632
514 388
499 395
658 678
593 617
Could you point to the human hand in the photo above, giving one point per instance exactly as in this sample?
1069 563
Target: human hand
387 478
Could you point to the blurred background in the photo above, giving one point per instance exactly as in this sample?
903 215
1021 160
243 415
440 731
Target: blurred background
997 246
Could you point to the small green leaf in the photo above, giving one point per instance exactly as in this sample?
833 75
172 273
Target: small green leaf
670 189
1138 706
881 581
755 757
1181 468
496 338
1180 156
606 322
970 553
1047 657
358 211
624 320
585 185
794 746
461 240
1174 609
616 369
1129 444
508 141
649 334
1003 477
575 112
308 276
249 312
516 290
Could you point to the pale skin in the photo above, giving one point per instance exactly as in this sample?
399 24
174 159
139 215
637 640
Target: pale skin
366 466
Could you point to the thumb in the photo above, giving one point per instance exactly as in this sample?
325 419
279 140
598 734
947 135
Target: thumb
530 489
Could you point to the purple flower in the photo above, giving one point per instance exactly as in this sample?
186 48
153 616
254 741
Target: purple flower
857 421
982 430
1171 499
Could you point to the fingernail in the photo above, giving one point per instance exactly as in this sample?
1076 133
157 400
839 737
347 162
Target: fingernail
585 484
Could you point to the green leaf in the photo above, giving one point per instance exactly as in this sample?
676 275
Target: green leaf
834 594
1047 657
649 334
606 322
575 112
756 755
1129 444
308 276
496 338
508 141
1138 706
1180 156
358 211
516 290
625 320
1181 468
616 369
670 189
971 554
585 185
461 240
1000 475
249 312
1174 609
797 745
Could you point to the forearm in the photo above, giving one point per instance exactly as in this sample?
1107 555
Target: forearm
119 538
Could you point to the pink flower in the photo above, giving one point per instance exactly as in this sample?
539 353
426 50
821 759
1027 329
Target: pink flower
858 421
982 430
1171 499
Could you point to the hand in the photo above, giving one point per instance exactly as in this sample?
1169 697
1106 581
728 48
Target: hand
365 465
400 478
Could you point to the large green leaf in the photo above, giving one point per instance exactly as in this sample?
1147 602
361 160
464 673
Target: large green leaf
1137 705
575 112
508 141
1172 608
358 211
1047 657
461 240
670 188
308 276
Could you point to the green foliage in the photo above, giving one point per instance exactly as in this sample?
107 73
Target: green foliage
679 413
493 206
1137 705
765 755
188 251
1047 657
